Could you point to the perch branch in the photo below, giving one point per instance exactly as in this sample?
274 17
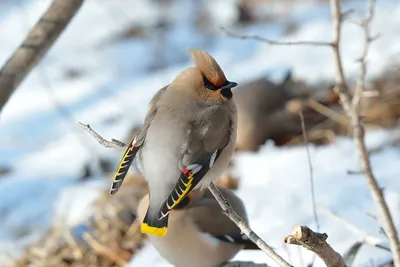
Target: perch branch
351 109
226 207
316 242
366 238
244 227
36 44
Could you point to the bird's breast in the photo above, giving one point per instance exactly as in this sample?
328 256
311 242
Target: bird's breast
185 245
160 155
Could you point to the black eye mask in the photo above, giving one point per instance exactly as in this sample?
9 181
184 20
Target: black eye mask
225 87
209 85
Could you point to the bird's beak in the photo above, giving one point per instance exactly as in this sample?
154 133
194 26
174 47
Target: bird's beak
229 85
225 90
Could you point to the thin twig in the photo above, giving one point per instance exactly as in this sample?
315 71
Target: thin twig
366 238
226 207
36 44
314 208
363 60
358 131
62 110
327 112
316 242
243 264
244 227
303 129
110 144
274 42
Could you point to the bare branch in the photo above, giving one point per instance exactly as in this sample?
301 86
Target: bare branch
310 167
337 18
327 112
366 238
314 209
110 144
274 42
341 85
316 242
358 131
35 45
244 227
358 94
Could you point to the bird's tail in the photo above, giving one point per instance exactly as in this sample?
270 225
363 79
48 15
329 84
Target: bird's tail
153 225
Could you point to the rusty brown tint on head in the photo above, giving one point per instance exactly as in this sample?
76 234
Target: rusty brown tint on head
208 67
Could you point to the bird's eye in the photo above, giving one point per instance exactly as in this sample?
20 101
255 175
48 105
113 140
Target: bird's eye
208 84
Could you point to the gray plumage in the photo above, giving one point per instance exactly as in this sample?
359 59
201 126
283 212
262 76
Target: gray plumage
192 236
186 140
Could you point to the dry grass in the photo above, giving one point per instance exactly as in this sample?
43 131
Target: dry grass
108 239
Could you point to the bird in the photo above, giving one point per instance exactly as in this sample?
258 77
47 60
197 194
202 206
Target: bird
200 235
186 140
261 111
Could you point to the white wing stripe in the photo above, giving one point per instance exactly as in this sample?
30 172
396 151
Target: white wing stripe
212 160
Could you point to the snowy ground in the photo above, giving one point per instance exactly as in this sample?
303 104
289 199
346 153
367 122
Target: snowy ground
280 180
47 152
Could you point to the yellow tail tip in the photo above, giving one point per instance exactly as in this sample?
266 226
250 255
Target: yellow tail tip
151 230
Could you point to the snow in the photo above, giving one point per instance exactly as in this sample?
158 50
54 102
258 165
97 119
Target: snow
286 171
279 178
47 152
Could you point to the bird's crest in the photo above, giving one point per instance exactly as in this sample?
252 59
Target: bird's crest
208 67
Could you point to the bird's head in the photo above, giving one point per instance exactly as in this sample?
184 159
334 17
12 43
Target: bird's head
206 79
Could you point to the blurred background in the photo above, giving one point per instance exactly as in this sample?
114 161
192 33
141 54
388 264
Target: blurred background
109 62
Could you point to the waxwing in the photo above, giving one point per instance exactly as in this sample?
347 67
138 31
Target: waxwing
199 234
261 111
186 140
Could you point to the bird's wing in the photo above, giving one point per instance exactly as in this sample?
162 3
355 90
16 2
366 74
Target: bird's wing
135 144
206 141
